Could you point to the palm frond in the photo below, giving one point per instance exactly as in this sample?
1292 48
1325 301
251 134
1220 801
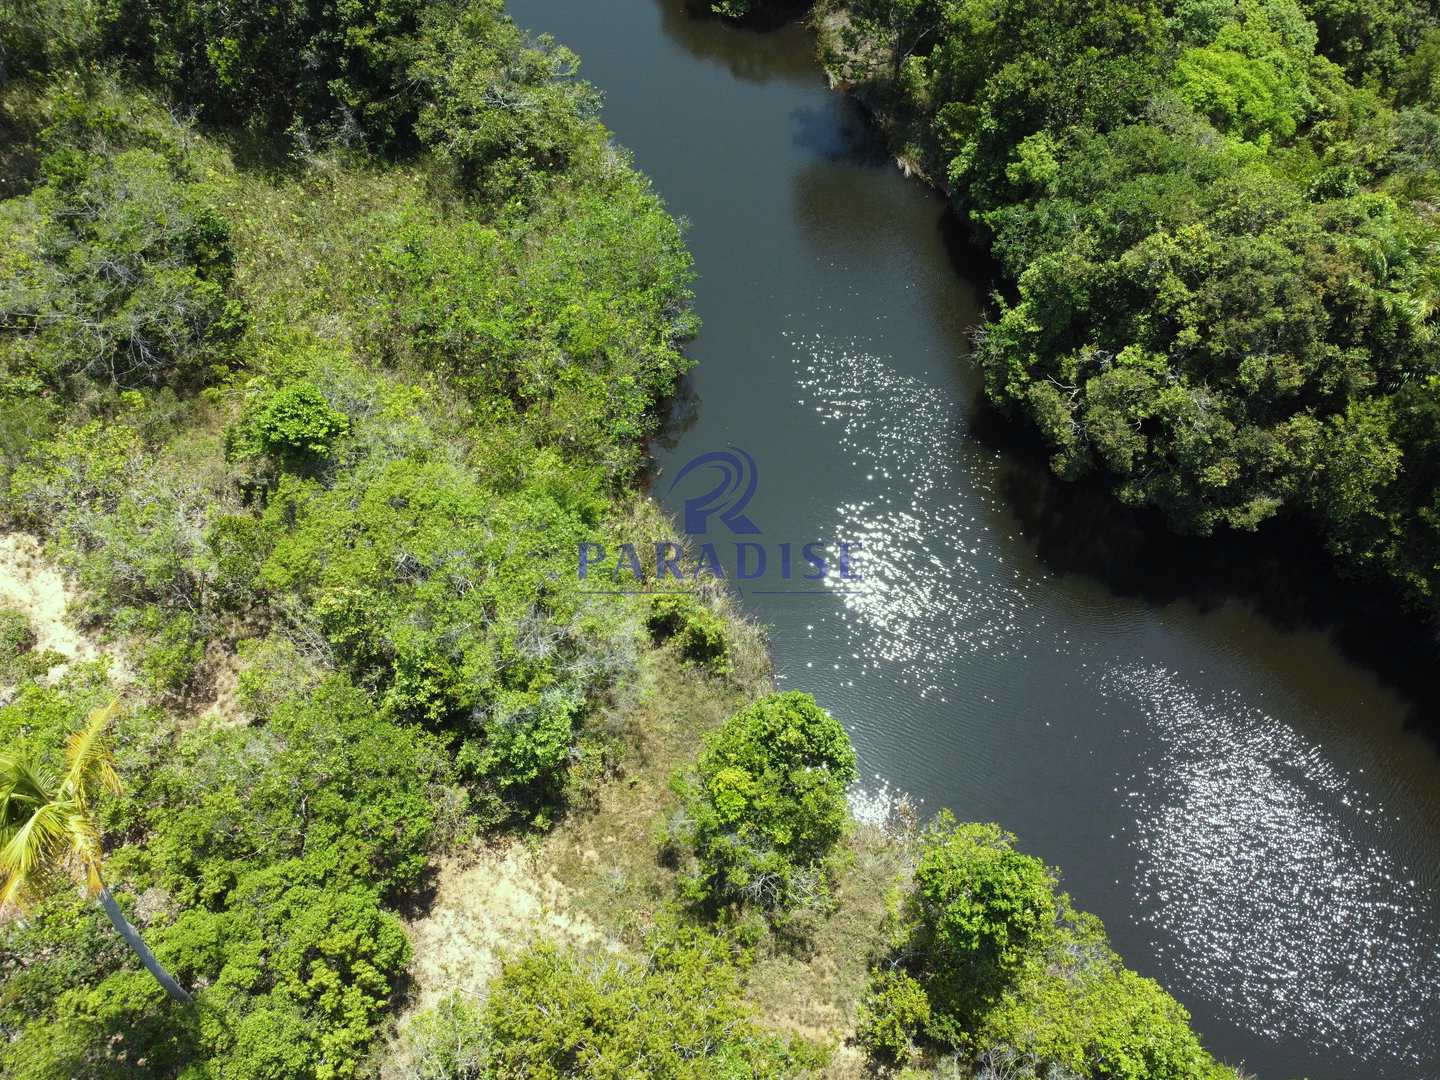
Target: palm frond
42 841
89 758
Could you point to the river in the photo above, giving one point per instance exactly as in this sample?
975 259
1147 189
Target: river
1240 801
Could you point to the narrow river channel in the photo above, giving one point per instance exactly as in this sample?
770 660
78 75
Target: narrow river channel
1240 802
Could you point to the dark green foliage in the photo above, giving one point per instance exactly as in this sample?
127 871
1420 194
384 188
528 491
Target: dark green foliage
42 35
337 68
1371 39
551 1014
766 804
699 633
1219 290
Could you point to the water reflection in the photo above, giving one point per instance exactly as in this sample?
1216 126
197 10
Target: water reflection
1265 867
759 52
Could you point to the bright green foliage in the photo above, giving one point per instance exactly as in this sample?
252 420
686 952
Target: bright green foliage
988 959
293 421
894 1011
327 780
980 907
1249 81
766 804
299 972
568 350
551 1014
699 633
458 602
277 845
1075 1004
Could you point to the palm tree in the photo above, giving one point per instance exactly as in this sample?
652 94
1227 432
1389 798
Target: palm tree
48 830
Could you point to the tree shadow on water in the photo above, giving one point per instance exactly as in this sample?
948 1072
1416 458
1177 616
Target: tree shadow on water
771 43
1282 572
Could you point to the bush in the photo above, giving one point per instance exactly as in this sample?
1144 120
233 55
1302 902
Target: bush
988 961
698 632
127 279
17 639
980 907
294 422
326 779
173 649
1076 1005
505 112
766 804
895 1009
337 69
679 1013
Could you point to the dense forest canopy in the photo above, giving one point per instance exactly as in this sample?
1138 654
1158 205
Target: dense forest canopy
1215 224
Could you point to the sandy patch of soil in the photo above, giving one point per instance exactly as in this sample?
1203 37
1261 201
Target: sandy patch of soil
486 907
28 581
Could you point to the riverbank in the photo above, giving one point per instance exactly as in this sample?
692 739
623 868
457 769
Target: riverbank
902 65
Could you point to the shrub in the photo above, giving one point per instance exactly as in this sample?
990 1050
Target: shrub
1076 1005
504 111
327 779
980 906
699 633
895 1009
336 68
293 422
17 637
679 1013
766 805
129 277
173 649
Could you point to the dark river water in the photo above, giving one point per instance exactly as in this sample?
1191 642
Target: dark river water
1239 800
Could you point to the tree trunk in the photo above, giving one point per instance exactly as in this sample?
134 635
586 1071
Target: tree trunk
133 939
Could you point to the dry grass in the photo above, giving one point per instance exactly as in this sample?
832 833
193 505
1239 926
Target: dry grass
596 881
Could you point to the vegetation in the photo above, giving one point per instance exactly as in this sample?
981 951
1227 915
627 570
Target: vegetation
48 828
766 805
327 332
1214 225
548 1015
987 959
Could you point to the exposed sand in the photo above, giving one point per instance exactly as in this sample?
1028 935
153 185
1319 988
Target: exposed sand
29 582
497 903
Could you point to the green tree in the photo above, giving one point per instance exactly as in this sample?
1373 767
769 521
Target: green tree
49 831
766 803
979 907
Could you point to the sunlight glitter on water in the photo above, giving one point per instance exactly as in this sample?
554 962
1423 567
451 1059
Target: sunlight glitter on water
1274 902
935 587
